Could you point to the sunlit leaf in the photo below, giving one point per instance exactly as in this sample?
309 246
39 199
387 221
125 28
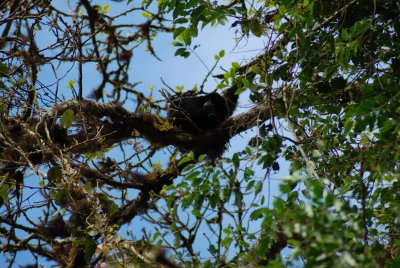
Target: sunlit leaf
54 174
67 118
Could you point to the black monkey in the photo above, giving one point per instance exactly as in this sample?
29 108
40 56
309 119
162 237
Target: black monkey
200 113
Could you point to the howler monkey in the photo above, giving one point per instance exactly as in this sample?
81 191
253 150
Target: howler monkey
200 113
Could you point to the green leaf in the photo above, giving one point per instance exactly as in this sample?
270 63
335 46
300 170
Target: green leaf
187 34
93 232
70 84
182 52
193 175
197 213
240 90
187 158
60 196
256 27
177 44
4 192
178 31
106 8
212 249
202 157
21 80
258 188
181 21
146 14
348 125
54 174
258 214
236 160
89 250
226 241
67 118
3 68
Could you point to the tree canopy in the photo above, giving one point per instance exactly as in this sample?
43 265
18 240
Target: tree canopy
99 176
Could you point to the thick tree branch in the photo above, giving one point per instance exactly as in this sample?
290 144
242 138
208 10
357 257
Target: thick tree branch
122 123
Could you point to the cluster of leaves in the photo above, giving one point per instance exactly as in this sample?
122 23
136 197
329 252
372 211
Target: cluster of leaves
335 64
